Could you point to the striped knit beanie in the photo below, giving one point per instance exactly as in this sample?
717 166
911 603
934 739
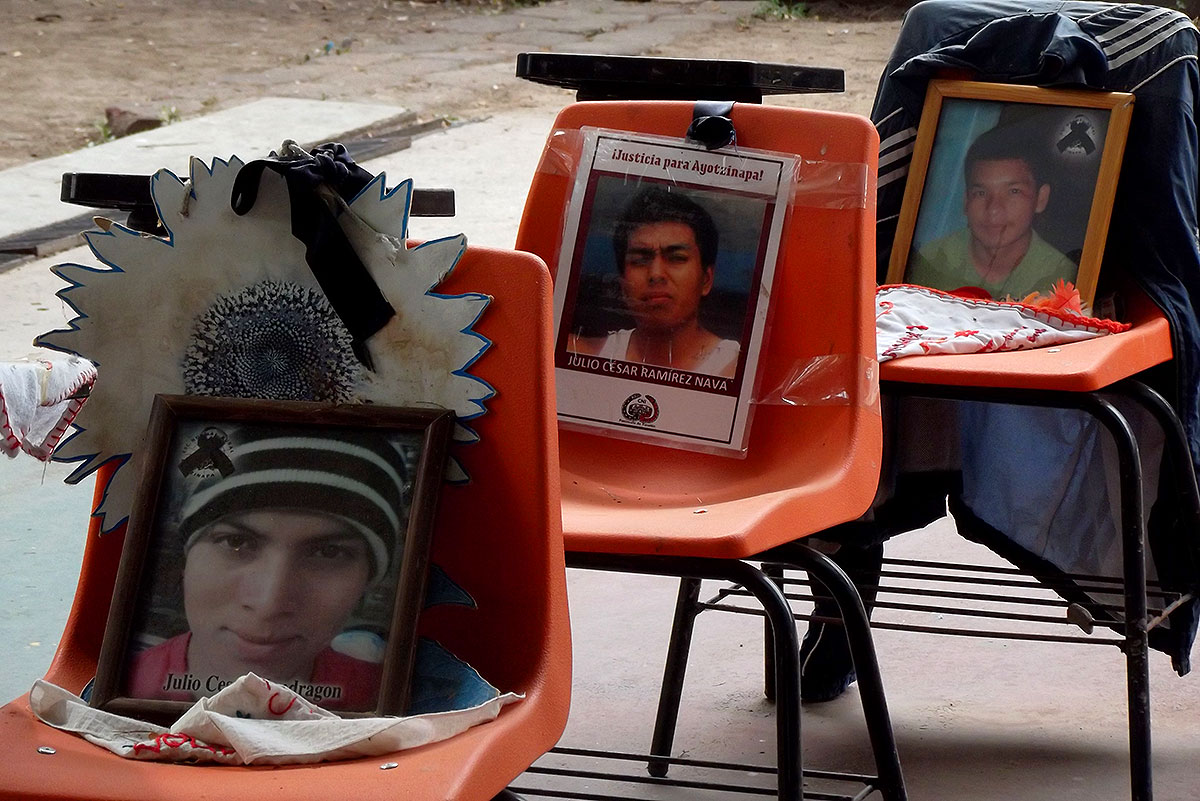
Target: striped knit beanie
355 477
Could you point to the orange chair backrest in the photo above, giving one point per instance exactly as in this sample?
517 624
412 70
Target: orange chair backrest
499 536
822 318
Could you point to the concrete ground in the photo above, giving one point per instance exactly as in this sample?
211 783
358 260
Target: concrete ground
976 719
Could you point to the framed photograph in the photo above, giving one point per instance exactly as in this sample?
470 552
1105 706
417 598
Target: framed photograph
285 539
1010 189
663 281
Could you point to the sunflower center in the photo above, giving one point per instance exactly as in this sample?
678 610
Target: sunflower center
271 340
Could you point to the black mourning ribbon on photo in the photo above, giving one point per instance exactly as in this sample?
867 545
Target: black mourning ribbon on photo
208 454
350 289
711 126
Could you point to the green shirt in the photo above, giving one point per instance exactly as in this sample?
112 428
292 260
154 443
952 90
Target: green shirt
946 264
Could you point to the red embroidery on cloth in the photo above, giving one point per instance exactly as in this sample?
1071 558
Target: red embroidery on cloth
271 705
179 740
900 343
1111 326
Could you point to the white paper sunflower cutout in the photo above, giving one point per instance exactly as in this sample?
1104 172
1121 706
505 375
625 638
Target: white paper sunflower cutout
226 305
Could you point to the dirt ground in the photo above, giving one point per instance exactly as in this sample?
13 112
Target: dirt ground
62 62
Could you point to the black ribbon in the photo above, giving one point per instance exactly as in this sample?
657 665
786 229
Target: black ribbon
711 125
350 289
208 454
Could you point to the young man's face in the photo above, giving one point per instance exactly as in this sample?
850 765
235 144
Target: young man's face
662 277
266 591
1001 201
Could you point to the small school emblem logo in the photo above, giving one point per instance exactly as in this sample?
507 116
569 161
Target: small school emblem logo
640 408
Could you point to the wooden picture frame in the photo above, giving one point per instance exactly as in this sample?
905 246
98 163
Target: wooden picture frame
288 539
1009 188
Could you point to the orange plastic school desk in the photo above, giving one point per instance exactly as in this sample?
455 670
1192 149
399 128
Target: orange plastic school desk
636 507
499 537
1078 375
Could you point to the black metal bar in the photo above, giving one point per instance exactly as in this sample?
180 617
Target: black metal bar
991 614
1113 586
1016 600
1161 617
995 635
596 753
985 634
866 664
576 795
926 592
690 784
834 775
131 193
671 692
775 572
1117 588
787 646
1133 537
506 795
610 77
1079 581
953 611
1175 441
1003 569
564 770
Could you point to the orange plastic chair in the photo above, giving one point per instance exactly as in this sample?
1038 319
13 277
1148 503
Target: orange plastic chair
498 536
635 507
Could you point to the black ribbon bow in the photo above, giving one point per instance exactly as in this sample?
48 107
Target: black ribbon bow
341 275
711 125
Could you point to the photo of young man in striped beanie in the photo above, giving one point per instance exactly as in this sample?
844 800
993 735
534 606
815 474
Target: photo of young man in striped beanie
282 530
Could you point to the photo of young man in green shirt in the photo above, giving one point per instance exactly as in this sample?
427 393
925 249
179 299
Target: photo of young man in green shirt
999 251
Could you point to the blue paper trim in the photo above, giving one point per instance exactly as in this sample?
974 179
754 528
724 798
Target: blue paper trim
385 194
441 590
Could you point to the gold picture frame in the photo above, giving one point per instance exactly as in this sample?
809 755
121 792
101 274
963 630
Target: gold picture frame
1009 188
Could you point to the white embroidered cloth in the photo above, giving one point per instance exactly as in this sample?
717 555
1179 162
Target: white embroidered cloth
36 403
912 320
254 722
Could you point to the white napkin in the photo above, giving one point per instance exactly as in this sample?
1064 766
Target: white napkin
254 722
912 320
36 403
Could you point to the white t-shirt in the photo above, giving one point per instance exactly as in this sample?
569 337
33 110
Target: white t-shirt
721 360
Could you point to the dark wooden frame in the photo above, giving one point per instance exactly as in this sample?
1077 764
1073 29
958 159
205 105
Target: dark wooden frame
1119 106
168 412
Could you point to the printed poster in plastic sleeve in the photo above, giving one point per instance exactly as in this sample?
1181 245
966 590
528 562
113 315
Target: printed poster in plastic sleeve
666 267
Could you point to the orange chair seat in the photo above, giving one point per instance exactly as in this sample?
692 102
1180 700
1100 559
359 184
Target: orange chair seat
1084 366
80 770
646 500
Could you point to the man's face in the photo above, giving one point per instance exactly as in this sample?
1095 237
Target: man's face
663 279
1001 200
266 591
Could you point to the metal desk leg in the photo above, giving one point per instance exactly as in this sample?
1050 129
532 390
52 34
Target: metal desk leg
687 606
787 642
866 664
1136 647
